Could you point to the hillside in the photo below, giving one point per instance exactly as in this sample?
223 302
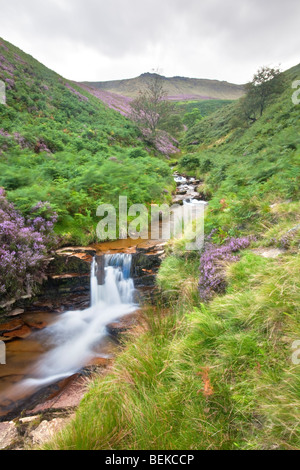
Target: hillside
248 165
215 364
177 88
60 144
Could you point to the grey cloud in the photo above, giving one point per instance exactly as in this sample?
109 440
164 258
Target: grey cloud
232 32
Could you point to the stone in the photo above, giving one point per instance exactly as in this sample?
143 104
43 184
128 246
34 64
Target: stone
68 396
29 419
8 435
270 253
101 362
115 329
100 260
16 312
11 326
22 333
37 325
7 304
47 430
71 260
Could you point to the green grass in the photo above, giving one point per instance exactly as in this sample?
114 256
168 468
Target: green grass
192 376
195 376
217 375
246 167
58 143
206 107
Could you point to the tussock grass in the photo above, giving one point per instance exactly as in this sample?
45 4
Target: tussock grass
216 376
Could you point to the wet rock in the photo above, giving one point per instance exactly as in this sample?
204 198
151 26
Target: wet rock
8 435
16 312
126 323
100 270
67 395
143 263
101 362
11 326
22 333
145 281
5 340
67 283
37 325
43 305
179 200
72 260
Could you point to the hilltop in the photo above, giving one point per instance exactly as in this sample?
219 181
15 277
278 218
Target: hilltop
177 88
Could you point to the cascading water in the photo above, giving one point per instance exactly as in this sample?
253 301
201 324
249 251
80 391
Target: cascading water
72 339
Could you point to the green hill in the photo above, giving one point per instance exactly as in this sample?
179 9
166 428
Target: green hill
177 88
248 165
218 372
59 143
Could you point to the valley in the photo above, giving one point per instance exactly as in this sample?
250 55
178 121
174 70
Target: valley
145 344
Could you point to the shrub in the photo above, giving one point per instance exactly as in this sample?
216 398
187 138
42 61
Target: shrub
24 245
212 278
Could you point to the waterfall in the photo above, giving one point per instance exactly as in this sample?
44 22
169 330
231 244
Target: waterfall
76 333
118 287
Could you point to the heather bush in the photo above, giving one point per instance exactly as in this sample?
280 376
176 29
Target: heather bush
212 273
24 245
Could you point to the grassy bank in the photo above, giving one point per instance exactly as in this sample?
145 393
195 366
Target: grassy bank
196 375
219 372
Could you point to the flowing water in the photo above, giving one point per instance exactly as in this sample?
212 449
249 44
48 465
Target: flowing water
72 340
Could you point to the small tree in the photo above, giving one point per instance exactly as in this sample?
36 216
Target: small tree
266 84
150 108
192 117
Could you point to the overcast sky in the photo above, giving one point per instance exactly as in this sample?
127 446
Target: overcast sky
112 39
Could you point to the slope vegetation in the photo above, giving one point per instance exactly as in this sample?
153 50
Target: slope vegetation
177 88
220 370
59 143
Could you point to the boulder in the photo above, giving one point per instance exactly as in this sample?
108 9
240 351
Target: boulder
71 261
116 328
47 430
21 333
8 435
11 326
36 324
16 312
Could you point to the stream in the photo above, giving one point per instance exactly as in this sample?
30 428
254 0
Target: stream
72 339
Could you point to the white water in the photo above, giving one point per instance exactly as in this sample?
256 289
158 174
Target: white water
180 179
194 202
74 336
